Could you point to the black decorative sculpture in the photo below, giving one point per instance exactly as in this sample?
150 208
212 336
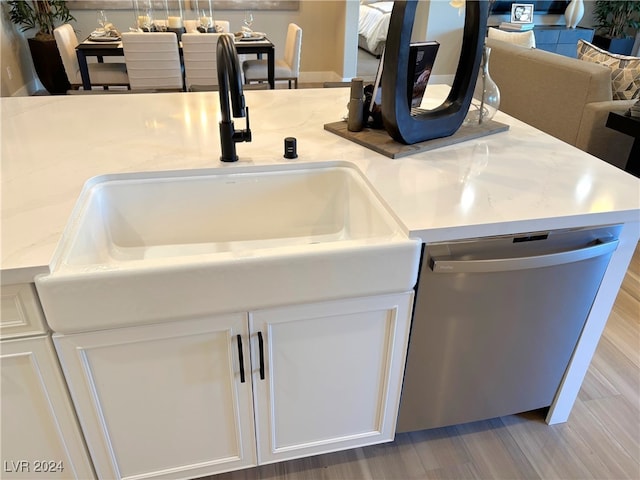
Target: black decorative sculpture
447 118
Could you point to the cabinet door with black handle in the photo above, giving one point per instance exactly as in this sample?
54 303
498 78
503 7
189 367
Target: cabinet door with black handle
327 376
165 400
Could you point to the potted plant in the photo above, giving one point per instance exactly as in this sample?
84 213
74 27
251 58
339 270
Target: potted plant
617 22
44 16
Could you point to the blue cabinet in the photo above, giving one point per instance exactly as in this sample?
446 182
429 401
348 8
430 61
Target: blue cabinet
561 40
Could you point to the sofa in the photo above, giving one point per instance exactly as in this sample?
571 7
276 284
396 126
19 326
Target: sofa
567 98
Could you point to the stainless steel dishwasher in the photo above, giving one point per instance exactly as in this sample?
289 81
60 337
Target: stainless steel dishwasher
496 321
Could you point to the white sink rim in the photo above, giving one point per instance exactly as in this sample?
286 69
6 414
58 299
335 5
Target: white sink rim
384 228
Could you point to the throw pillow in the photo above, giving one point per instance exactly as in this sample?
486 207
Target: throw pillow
524 39
625 70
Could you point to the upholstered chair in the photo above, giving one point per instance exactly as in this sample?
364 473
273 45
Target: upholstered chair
101 74
153 60
287 68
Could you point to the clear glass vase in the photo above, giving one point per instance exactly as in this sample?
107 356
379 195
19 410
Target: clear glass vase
486 95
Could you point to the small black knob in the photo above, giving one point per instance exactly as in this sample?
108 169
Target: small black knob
290 148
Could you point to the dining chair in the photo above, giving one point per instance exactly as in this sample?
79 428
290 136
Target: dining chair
191 26
224 25
101 74
199 56
524 39
287 68
153 60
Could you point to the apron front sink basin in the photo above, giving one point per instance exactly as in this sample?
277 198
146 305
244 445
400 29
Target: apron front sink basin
149 247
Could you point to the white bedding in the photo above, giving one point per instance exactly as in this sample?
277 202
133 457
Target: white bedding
373 25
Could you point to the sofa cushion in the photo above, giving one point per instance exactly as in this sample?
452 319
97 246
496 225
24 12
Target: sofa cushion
524 39
625 70
546 90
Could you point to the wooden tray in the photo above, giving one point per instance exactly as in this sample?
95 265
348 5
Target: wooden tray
380 141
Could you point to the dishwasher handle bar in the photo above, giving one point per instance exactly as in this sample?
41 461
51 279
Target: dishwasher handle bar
442 265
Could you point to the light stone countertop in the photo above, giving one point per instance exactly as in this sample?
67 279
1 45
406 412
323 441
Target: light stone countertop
517 181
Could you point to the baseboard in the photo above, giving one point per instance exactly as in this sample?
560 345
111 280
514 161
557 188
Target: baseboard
21 92
29 89
433 80
319 77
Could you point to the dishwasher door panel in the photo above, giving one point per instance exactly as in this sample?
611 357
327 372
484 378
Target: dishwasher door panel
495 324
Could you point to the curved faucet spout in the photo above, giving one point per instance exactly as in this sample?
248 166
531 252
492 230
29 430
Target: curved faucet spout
230 82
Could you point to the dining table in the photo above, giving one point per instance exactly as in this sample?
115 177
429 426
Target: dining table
100 49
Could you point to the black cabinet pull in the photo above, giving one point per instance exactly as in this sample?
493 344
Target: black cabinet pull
241 359
261 348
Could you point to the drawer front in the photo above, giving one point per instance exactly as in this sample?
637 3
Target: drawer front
546 36
573 35
547 47
21 312
568 49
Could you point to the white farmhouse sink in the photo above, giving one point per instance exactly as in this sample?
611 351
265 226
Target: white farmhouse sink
150 247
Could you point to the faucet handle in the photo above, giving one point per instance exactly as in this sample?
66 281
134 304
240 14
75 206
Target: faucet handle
243 135
248 129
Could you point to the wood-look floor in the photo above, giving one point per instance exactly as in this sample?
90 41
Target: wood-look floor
600 441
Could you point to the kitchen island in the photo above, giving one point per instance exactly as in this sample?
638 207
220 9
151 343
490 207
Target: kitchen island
513 182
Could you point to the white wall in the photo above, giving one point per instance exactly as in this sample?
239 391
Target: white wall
18 75
445 25
350 63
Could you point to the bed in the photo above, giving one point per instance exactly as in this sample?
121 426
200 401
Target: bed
373 24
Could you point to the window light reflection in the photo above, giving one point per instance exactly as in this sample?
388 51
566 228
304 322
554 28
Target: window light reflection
198 120
188 122
204 119
604 203
467 197
583 188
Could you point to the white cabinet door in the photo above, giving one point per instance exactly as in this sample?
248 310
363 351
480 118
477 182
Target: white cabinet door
21 313
332 374
40 435
163 401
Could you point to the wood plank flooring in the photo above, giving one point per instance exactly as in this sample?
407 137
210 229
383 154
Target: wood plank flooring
600 441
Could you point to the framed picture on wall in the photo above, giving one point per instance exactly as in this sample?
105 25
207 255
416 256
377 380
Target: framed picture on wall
522 13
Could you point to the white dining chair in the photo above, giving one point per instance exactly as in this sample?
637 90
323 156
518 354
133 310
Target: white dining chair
191 26
101 74
200 64
153 60
524 39
287 68
224 25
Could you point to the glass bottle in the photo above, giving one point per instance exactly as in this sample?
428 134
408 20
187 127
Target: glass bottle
486 95
175 16
206 23
143 12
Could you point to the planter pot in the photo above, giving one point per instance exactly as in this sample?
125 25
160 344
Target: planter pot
48 65
622 46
